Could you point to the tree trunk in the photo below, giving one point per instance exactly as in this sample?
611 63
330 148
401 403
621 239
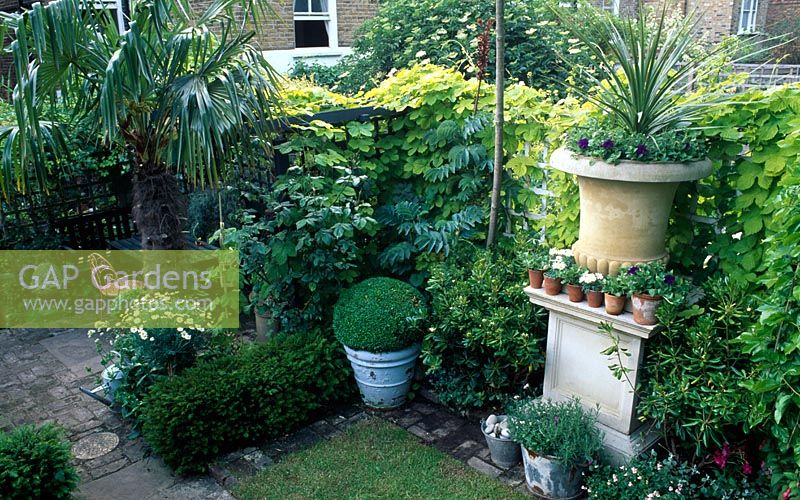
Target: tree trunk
497 178
159 210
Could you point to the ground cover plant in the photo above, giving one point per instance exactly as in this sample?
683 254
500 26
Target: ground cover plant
372 459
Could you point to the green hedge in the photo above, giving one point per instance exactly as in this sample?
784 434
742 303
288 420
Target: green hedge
232 401
379 315
35 462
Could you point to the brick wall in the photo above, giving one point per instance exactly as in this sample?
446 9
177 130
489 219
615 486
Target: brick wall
717 16
277 32
351 15
781 10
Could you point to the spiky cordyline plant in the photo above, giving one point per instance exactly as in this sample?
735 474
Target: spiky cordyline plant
185 93
646 75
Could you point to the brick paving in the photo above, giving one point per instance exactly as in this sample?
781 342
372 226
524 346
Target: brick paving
41 372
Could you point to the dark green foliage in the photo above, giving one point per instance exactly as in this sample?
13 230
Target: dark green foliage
266 390
204 211
484 344
35 462
380 315
693 370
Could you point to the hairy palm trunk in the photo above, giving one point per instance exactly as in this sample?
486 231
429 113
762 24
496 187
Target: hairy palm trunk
159 209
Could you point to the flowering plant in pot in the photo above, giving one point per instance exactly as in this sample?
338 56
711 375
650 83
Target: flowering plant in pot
648 90
592 284
570 277
560 261
559 440
649 285
537 261
615 292
380 323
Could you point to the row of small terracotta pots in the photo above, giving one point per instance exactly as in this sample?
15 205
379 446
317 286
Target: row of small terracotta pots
643 306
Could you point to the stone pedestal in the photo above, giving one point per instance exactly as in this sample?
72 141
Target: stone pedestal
575 367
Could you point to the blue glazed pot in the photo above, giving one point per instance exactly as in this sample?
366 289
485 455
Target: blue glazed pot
384 378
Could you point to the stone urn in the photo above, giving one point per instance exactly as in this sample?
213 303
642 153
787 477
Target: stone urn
625 208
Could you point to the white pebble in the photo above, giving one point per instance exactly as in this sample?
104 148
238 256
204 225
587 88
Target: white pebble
491 420
505 434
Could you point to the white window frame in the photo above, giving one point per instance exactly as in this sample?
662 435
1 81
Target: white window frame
115 5
748 26
610 6
329 18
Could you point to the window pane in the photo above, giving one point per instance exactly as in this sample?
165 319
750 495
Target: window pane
300 5
310 34
316 6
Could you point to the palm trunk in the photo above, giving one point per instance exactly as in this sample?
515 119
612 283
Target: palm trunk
159 210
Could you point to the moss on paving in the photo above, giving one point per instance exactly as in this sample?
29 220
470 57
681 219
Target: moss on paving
372 459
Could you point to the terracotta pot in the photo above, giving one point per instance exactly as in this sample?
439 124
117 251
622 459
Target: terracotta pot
625 208
552 286
594 298
536 276
575 293
644 308
614 304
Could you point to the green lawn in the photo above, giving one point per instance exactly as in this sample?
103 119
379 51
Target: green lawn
373 459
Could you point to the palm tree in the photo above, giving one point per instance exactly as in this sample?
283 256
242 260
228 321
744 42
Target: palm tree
186 93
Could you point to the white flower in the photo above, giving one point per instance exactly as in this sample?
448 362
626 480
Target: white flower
185 335
553 251
143 335
587 278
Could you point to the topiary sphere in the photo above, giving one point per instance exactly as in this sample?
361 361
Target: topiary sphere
379 315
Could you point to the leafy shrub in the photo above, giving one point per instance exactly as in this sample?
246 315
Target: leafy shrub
484 343
231 401
379 315
772 344
445 32
35 462
562 430
698 343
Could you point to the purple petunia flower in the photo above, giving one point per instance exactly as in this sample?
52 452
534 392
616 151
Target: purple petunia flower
583 142
641 150
632 270
608 144
669 279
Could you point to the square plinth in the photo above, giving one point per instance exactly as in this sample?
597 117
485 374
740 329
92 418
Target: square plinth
575 366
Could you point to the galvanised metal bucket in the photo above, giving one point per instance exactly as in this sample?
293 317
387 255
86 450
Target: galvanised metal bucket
550 479
505 452
384 378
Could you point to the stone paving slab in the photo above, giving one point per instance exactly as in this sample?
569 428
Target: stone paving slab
139 480
75 351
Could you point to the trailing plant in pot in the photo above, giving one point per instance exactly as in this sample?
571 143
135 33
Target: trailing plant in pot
650 284
592 284
379 321
559 441
537 261
648 91
615 292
